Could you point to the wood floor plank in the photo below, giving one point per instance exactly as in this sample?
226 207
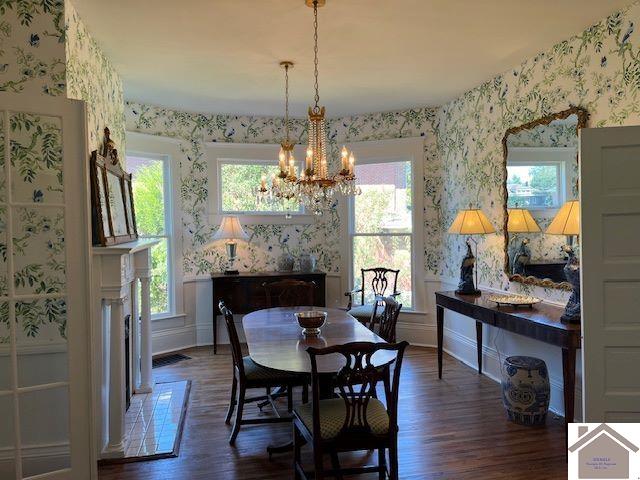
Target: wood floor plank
454 428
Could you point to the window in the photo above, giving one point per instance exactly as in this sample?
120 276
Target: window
535 186
238 180
382 223
151 192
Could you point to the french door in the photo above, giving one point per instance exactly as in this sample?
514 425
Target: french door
45 394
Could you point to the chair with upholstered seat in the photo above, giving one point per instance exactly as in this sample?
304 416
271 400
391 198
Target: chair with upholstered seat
381 278
354 421
247 374
289 293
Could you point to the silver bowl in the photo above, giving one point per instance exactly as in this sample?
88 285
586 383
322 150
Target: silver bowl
311 321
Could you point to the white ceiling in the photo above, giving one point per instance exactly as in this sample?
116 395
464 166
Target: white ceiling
222 55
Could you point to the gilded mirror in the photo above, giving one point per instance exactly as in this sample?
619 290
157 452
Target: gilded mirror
541 175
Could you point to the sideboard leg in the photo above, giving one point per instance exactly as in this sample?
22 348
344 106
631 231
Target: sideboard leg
440 322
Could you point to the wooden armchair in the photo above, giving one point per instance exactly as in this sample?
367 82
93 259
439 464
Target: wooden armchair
381 279
248 374
289 293
354 421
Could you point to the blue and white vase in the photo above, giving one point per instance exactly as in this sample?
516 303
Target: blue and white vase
526 390
286 262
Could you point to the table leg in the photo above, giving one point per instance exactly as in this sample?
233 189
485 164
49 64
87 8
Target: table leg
440 324
326 391
215 332
479 345
569 380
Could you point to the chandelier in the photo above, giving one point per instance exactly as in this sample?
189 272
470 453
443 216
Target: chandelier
315 188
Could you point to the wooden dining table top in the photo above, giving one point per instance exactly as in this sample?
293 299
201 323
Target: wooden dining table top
276 341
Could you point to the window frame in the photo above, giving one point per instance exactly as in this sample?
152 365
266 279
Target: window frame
389 151
529 157
156 146
218 154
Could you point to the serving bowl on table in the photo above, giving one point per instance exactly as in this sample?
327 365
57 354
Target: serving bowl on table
311 321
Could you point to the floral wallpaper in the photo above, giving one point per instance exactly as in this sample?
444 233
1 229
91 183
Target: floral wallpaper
267 242
92 77
598 69
32 37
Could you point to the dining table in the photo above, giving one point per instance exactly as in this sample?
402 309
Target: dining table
276 341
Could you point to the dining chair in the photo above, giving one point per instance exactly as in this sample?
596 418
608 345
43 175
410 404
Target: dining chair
381 279
353 421
248 374
290 293
387 319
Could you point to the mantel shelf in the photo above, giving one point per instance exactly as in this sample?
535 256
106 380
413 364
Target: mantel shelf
126 248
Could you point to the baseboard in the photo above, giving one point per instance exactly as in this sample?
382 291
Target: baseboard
417 334
172 339
464 349
47 450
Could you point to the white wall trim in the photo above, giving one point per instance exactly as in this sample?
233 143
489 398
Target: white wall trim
173 339
39 450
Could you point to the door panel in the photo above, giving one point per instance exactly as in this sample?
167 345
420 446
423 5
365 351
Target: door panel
610 200
45 392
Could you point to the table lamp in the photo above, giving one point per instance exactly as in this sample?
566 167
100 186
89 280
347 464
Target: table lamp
471 221
231 230
567 222
519 220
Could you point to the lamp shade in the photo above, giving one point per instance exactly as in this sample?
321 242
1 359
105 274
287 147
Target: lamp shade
471 222
230 229
567 220
521 221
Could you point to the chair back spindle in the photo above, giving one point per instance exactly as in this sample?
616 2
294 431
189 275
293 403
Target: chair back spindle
380 280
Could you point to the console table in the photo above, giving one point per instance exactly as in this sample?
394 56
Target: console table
244 293
541 322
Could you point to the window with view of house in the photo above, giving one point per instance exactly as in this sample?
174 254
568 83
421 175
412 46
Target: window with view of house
535 186
151 193
381 223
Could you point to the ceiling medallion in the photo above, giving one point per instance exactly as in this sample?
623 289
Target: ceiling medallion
315 188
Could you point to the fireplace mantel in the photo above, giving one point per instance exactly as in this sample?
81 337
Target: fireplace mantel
117 269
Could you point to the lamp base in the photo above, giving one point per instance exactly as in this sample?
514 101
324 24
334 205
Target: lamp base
231 272
469 292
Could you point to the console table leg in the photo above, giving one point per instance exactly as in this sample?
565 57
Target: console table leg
440 323
215 333
479 345
569 380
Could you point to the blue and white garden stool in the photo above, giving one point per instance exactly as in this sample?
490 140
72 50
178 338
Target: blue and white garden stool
526 390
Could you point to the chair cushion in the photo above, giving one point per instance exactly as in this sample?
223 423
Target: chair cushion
333 412
255 372
363 312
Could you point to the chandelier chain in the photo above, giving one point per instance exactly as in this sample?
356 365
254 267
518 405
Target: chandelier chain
315 53
286 102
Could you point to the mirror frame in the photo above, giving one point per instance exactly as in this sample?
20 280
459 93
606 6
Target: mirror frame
583 117
99 167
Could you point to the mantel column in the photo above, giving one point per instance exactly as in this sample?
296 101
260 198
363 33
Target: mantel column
116 377
146 380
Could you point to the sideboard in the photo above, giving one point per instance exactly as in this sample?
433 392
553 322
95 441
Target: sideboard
244 293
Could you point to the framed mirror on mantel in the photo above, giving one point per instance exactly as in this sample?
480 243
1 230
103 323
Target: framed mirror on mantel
541 175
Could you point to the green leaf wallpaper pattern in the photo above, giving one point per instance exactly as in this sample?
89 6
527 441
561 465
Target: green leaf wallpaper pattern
38 250
36 158
32 58
41 321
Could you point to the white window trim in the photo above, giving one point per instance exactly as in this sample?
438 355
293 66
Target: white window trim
379 151
153 146
258 153
530 156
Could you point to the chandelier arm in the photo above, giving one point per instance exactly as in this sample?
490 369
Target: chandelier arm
315 53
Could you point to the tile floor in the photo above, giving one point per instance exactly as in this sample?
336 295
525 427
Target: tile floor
152 422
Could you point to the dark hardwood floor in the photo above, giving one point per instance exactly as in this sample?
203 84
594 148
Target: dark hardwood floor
455 428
